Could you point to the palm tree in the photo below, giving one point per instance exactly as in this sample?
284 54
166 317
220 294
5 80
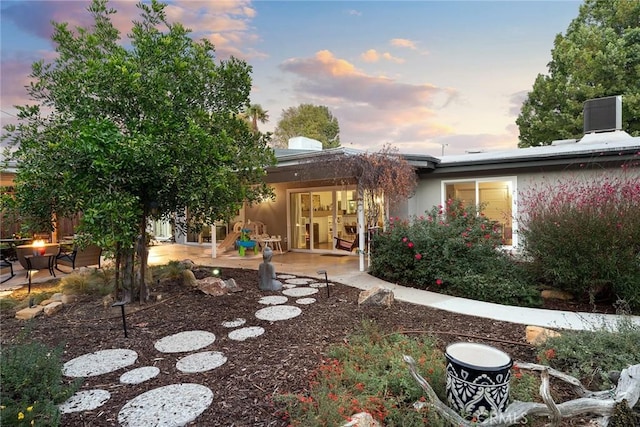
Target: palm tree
255 113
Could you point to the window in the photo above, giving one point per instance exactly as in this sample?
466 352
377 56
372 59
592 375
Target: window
496 195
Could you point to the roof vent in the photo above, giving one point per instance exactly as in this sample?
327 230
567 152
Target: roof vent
603 114
304 143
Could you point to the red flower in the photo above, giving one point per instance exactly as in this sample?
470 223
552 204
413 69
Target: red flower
418 257
410 244
439 282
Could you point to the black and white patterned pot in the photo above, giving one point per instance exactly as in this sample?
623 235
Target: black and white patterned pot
477 379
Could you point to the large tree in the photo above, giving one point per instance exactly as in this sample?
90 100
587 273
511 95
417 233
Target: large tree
148 131
598 56
311 121
253 114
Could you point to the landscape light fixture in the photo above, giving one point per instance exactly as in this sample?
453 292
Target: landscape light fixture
216 271
326 280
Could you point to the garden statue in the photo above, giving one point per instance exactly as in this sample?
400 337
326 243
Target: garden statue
267 273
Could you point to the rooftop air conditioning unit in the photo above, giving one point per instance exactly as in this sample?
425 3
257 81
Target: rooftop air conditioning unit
603 114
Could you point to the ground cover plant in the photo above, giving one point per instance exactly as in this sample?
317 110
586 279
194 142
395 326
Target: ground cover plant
451 249
583 236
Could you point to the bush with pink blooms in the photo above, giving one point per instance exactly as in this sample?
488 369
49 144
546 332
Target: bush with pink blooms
452 249
583 236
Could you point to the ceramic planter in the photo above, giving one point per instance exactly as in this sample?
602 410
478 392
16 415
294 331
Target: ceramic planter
477 379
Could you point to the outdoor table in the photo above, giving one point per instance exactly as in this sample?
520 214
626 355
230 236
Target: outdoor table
275 241
12 244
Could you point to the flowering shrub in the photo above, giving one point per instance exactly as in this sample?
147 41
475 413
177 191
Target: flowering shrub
368 375
584 236
451 249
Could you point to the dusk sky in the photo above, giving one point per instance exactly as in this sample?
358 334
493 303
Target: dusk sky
422 76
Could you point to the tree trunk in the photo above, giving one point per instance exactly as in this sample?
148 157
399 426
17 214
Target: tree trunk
143 256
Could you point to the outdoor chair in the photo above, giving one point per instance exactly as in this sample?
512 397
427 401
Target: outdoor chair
347 245
6 264
85 257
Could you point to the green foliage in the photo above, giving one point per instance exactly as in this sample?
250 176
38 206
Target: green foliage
598 56
583 235
93 283
368 374
311 121
32 385
524 386
172 270
452 249
591 355
135 133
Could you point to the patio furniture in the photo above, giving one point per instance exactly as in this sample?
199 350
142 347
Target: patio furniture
84 257
347 245
6 264
37 257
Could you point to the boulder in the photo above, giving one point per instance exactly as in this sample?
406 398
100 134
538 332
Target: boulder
213 286
189 279
536 335
378 295
187 264
362 419
68 299
29 313
52 308
232 286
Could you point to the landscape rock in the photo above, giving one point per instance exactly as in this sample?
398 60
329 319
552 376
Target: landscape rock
29 313
189 279
188 264
556 294
378 295
213 286
362 419
537 335
46 302
232 286
52 308
69 298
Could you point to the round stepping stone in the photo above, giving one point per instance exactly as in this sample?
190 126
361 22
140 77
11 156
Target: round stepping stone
278 312
288 286
244 333
299 281
320 285
99 362
286 276
273 300
85 400
201 362
139 375
300 292
171 405
185 341
305 301
239 321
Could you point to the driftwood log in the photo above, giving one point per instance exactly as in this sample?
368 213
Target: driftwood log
602 404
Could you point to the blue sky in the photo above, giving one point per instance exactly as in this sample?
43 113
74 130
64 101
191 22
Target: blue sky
419 75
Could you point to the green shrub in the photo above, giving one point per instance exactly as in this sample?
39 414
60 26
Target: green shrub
369 374
584 236
94 283
452 249
591 355
172 270
32 385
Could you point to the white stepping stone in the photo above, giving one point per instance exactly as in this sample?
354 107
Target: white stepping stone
85 400
139 375
185 341
288 286
278 312
286 276
201 362
99 362
273 300
244 333
239 321
299 281
320 285
305 301
171 405
300 292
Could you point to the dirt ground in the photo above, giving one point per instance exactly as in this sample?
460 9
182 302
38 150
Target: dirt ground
279 361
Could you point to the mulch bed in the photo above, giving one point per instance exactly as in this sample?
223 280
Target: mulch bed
281 360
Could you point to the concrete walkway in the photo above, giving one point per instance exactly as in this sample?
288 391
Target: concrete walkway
344 269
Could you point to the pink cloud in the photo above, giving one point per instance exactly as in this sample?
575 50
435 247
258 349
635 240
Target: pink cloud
405 43
372 55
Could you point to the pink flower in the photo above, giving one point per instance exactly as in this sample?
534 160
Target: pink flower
410 244
439 282
418 257
404 239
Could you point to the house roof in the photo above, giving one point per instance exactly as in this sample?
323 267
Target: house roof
592 147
